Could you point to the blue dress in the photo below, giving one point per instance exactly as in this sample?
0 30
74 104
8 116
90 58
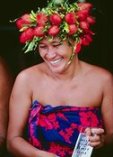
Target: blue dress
55 129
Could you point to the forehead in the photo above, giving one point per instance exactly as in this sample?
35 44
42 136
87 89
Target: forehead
50 41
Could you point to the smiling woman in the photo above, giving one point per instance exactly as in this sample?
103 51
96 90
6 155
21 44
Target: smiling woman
95 53
63 95
57 54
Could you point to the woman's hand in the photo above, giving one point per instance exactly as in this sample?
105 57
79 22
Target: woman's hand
95 137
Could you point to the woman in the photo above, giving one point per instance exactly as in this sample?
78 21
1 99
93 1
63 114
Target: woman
62 96
5 90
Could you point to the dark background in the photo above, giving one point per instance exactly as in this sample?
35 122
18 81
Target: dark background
99 52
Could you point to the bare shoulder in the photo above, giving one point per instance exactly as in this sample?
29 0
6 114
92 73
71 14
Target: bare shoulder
28 75
103 74
98 72
26 81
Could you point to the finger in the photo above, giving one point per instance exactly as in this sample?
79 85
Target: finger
96 141
94 138
97 131
88 131
95 144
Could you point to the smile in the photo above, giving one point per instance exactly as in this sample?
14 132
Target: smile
56 61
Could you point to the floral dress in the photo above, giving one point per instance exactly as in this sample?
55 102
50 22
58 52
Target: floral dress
55 129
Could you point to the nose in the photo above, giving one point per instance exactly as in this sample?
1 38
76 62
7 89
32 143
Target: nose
51 54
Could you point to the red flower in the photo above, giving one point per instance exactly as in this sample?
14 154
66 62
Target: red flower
26 35
91 20
88 37
35 142
65 135
52 117
60 149
82 15
90 32
72 29
88 119
19 23
77 47
53 30
43 122
24 20
55 19
84 25
39 31
70 18
41 19
86 40
87 6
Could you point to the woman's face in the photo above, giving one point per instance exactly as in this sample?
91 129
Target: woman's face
56 54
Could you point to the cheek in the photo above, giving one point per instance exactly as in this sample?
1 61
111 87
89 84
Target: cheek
67 51
42 53
67 57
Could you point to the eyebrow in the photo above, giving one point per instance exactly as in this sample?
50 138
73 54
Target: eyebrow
53 42
41 43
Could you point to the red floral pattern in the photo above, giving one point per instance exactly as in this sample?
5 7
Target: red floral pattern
55 129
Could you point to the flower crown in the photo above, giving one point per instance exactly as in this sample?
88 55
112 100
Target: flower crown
62 19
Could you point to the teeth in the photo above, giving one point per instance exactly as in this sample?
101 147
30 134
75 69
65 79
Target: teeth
56 61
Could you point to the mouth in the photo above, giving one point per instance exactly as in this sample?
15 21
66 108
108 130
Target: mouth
55 62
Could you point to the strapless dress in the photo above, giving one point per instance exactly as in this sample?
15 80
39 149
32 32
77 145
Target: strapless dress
55 129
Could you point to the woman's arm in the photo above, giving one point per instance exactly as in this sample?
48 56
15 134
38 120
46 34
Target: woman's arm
5 90
97 136
107 109
20 102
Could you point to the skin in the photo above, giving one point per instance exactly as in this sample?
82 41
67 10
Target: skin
75 77
5 90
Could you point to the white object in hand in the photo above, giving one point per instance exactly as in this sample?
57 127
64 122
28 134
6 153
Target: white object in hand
82 147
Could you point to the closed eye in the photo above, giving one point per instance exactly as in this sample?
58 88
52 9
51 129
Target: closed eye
42 46
56 45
